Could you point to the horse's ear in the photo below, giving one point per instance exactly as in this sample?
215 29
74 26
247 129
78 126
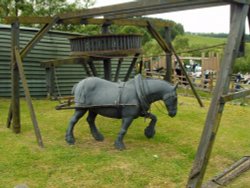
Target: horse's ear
176 85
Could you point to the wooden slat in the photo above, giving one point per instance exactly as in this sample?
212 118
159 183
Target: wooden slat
229 174
28 98
216 107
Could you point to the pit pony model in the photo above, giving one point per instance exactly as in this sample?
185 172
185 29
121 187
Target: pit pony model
125 100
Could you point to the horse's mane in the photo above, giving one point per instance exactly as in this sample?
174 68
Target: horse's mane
159 80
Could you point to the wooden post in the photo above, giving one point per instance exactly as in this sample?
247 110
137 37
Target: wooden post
15 98
118 69
92 67
132 65
107 69
28 98
168 75
216 107
50 80
106 62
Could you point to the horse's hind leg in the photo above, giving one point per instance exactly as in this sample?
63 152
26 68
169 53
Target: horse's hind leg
93 129
69 137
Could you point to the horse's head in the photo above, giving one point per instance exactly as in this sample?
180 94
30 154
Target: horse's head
170 100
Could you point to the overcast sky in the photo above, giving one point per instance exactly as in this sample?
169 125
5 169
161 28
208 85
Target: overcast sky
205 20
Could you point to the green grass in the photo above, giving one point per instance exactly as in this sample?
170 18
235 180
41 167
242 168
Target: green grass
164 161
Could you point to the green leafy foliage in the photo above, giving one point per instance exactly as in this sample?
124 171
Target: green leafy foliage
40 7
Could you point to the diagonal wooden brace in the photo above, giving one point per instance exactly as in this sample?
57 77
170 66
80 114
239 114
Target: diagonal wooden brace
169 48
38 37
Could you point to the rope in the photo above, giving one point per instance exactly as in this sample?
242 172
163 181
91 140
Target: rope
188 51
159 108
57 85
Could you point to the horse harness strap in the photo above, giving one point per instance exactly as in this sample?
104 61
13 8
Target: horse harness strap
140 91
121 88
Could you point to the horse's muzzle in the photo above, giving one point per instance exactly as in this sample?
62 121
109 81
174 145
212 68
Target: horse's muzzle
172 114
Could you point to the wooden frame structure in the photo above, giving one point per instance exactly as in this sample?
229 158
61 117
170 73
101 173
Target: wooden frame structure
239 12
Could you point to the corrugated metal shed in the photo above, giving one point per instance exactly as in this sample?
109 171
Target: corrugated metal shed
55 45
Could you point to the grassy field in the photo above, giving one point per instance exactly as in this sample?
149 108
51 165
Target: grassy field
164 161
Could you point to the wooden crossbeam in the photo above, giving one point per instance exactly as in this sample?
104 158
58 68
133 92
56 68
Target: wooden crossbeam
145 7
59 62
233 96
28 97
169 48
96 21
125 10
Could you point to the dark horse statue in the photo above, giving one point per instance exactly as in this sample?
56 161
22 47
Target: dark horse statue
124 100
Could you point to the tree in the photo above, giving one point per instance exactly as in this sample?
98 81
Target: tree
181 43
40 7
242 65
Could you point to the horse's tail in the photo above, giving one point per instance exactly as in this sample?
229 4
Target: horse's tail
78 92
74 89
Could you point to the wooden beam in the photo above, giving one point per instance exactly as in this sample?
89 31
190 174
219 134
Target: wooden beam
118 69
139 8
233 96
59 62
216 107
169 48
50 82
9 118
15 95
38 37
28 98
168 76
92 67
131 67
28 19
95 21
107 69
229 174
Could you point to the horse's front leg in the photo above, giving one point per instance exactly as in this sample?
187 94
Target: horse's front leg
93 129
126 122
69 137
149 131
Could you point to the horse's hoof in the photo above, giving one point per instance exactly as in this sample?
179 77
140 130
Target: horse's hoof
70 140
119 146
98 137
149 132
